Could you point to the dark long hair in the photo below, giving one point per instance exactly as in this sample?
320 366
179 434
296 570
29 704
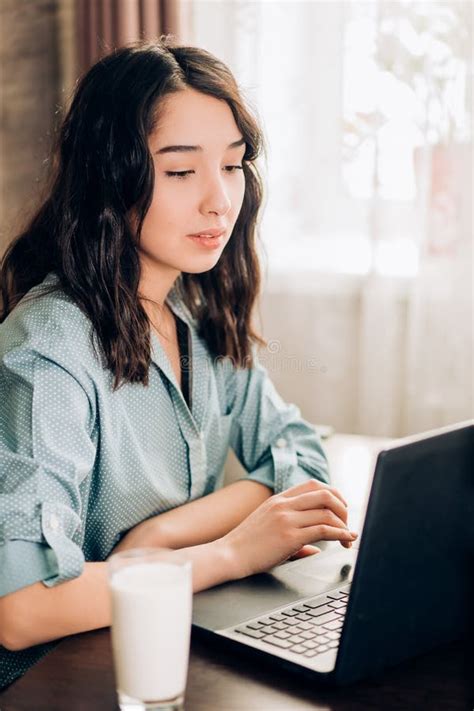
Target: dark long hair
101 169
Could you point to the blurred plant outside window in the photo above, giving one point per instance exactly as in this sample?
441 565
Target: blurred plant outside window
365 107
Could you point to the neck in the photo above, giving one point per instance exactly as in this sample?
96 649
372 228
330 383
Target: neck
156 281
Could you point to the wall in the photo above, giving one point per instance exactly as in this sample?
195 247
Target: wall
29 77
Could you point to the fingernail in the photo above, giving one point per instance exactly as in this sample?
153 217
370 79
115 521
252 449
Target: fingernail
354 534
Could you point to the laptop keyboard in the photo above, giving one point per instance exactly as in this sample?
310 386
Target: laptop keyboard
309 628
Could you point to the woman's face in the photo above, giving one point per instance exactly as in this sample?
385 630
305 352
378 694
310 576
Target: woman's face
207 197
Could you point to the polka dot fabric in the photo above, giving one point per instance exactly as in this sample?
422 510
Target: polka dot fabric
80 464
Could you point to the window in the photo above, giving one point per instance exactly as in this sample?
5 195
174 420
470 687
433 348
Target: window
349 95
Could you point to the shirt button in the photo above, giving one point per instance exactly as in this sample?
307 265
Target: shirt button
53 522
280 443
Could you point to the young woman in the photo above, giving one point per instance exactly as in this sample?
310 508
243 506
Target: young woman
127 357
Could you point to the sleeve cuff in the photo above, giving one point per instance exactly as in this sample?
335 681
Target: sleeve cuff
59 523
285 469
263 475
317 470
23 563
299 476
290 470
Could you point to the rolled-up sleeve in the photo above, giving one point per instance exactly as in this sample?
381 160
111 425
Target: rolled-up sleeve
46 457
274 443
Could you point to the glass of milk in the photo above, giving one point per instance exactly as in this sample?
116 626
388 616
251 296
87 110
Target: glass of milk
151 595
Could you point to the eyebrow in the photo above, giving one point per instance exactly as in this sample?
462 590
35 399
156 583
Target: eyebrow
185 149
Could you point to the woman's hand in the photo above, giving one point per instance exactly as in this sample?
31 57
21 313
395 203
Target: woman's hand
285 523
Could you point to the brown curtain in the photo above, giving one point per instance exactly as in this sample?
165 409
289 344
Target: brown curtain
103 25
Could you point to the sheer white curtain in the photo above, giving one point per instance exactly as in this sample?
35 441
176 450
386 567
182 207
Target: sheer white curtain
367 225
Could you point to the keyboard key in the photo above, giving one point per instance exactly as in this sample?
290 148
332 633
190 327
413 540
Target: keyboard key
320 611
322 648
277 616
307 635
318 629
305 626
333 635
269 630
333 644
301 608
280 625
250 632
334 625
297 639
282 635
298 649
282 643
337 595
303 616
309 644
322 639
255 625
338 604
312 604
294 631
320 620
289 621
289 613
310 653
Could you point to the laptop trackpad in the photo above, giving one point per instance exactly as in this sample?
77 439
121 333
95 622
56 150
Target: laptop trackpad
232 603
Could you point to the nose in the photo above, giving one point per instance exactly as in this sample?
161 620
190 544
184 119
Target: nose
216 198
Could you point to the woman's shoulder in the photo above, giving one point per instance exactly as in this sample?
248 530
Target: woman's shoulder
46 319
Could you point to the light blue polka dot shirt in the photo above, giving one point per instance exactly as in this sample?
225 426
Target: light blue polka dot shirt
80 464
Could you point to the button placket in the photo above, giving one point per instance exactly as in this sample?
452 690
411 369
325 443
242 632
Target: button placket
197 462
192 437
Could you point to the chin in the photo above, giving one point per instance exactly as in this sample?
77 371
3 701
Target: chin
200 266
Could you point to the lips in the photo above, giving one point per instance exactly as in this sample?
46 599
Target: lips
218 232
208 241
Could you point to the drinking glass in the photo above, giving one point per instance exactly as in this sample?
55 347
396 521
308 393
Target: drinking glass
151 596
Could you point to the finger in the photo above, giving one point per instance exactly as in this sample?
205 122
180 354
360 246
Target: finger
325 532
323 499
337 493
305 551
314 517
312 485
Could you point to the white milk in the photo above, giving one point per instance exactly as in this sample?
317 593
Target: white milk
151 626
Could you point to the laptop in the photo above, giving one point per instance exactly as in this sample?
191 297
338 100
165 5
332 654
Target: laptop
405 588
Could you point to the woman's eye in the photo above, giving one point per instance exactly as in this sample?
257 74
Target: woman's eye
178 174
181 174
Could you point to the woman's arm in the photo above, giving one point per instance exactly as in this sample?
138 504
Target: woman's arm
199 521
279 527
195 523
38 614
275 445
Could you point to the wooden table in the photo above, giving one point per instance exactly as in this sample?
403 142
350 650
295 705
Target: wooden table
78 675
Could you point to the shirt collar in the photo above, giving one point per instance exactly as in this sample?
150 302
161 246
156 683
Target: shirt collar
197 353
